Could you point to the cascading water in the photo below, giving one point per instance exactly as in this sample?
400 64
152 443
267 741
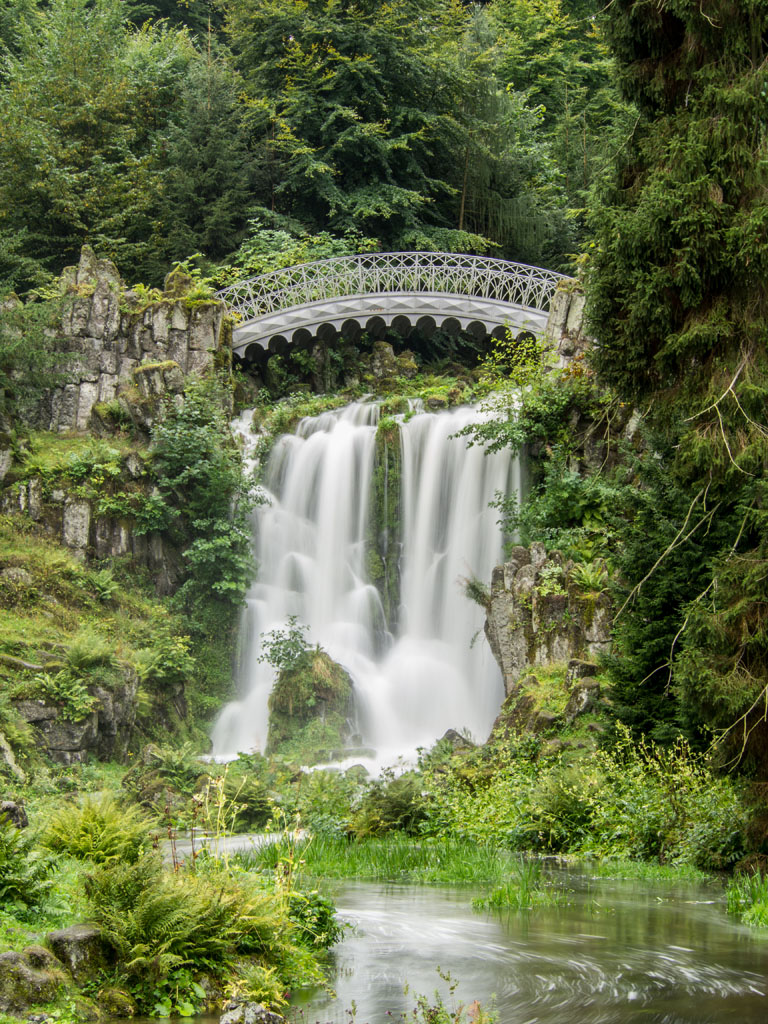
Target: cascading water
425 675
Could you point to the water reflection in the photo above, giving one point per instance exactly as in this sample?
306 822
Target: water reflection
620 953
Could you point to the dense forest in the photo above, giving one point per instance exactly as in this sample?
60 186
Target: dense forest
156 131
191 143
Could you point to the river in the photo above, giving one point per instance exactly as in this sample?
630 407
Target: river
620 952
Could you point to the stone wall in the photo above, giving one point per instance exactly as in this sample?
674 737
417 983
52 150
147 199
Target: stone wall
537 615
114 343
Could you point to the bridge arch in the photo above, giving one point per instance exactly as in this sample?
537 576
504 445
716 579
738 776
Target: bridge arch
376 292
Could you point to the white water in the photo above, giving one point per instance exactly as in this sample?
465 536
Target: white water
309 543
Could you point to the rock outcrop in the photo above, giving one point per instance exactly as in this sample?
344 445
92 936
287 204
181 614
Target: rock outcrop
565 338
118 347
537 615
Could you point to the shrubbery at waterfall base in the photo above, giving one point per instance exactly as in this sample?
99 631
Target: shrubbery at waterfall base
635 801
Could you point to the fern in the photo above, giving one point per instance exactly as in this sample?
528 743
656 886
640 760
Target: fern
101 830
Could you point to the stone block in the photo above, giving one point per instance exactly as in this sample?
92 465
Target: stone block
35 498
107 362
159 323
88 396
67 411
178 348
6 458
76 323
104 319
35 711
60 735
179 317
198 360
107 387
202 329
76 525
575 319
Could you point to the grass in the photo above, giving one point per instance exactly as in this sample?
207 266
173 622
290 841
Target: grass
747 897
394 859
523 890
641 871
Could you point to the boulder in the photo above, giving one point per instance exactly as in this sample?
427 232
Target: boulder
577 669
13 813
237 1012
23 985
457 741
583 698
81 949
116 1003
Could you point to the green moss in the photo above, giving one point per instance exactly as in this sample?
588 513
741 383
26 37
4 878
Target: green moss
382 547
309 706
168 364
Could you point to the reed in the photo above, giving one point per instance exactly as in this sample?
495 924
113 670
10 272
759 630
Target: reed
395 858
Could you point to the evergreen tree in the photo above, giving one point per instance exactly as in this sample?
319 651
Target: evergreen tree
677 299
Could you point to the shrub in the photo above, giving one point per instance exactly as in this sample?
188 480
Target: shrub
103 831
391 804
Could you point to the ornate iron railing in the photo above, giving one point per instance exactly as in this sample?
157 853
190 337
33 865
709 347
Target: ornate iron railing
369 273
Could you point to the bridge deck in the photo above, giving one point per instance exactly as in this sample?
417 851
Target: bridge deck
374 291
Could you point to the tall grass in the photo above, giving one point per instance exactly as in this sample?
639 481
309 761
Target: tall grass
392 858
747 896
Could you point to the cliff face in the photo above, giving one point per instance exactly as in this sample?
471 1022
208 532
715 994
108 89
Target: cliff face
120 359
538 615
117 349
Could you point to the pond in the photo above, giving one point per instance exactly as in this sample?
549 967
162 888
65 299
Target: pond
620 952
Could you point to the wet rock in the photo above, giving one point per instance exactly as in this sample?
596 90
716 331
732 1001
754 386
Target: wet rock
76 525
236 1012
543 722
536 618
81 949
42 958
22 985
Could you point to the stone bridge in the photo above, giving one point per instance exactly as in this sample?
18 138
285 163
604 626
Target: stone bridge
375 292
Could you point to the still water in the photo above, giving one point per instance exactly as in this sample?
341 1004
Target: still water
620 953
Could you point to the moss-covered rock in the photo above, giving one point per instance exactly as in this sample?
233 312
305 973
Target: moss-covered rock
383 535
310 708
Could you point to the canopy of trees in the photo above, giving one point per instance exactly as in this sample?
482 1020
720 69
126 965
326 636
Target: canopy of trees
157 130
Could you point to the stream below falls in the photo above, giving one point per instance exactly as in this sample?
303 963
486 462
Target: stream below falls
619 953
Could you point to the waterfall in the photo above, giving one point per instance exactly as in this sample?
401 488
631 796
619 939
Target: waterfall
416 670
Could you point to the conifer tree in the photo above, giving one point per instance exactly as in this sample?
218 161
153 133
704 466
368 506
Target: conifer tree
678 303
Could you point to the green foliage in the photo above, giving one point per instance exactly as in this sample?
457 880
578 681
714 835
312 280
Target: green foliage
103 831
747 897
640 802
391 804
160 922
204 497
68 691
523 890
283 648
27 352
25 873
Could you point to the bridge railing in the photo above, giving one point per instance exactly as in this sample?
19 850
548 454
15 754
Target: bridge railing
369 273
